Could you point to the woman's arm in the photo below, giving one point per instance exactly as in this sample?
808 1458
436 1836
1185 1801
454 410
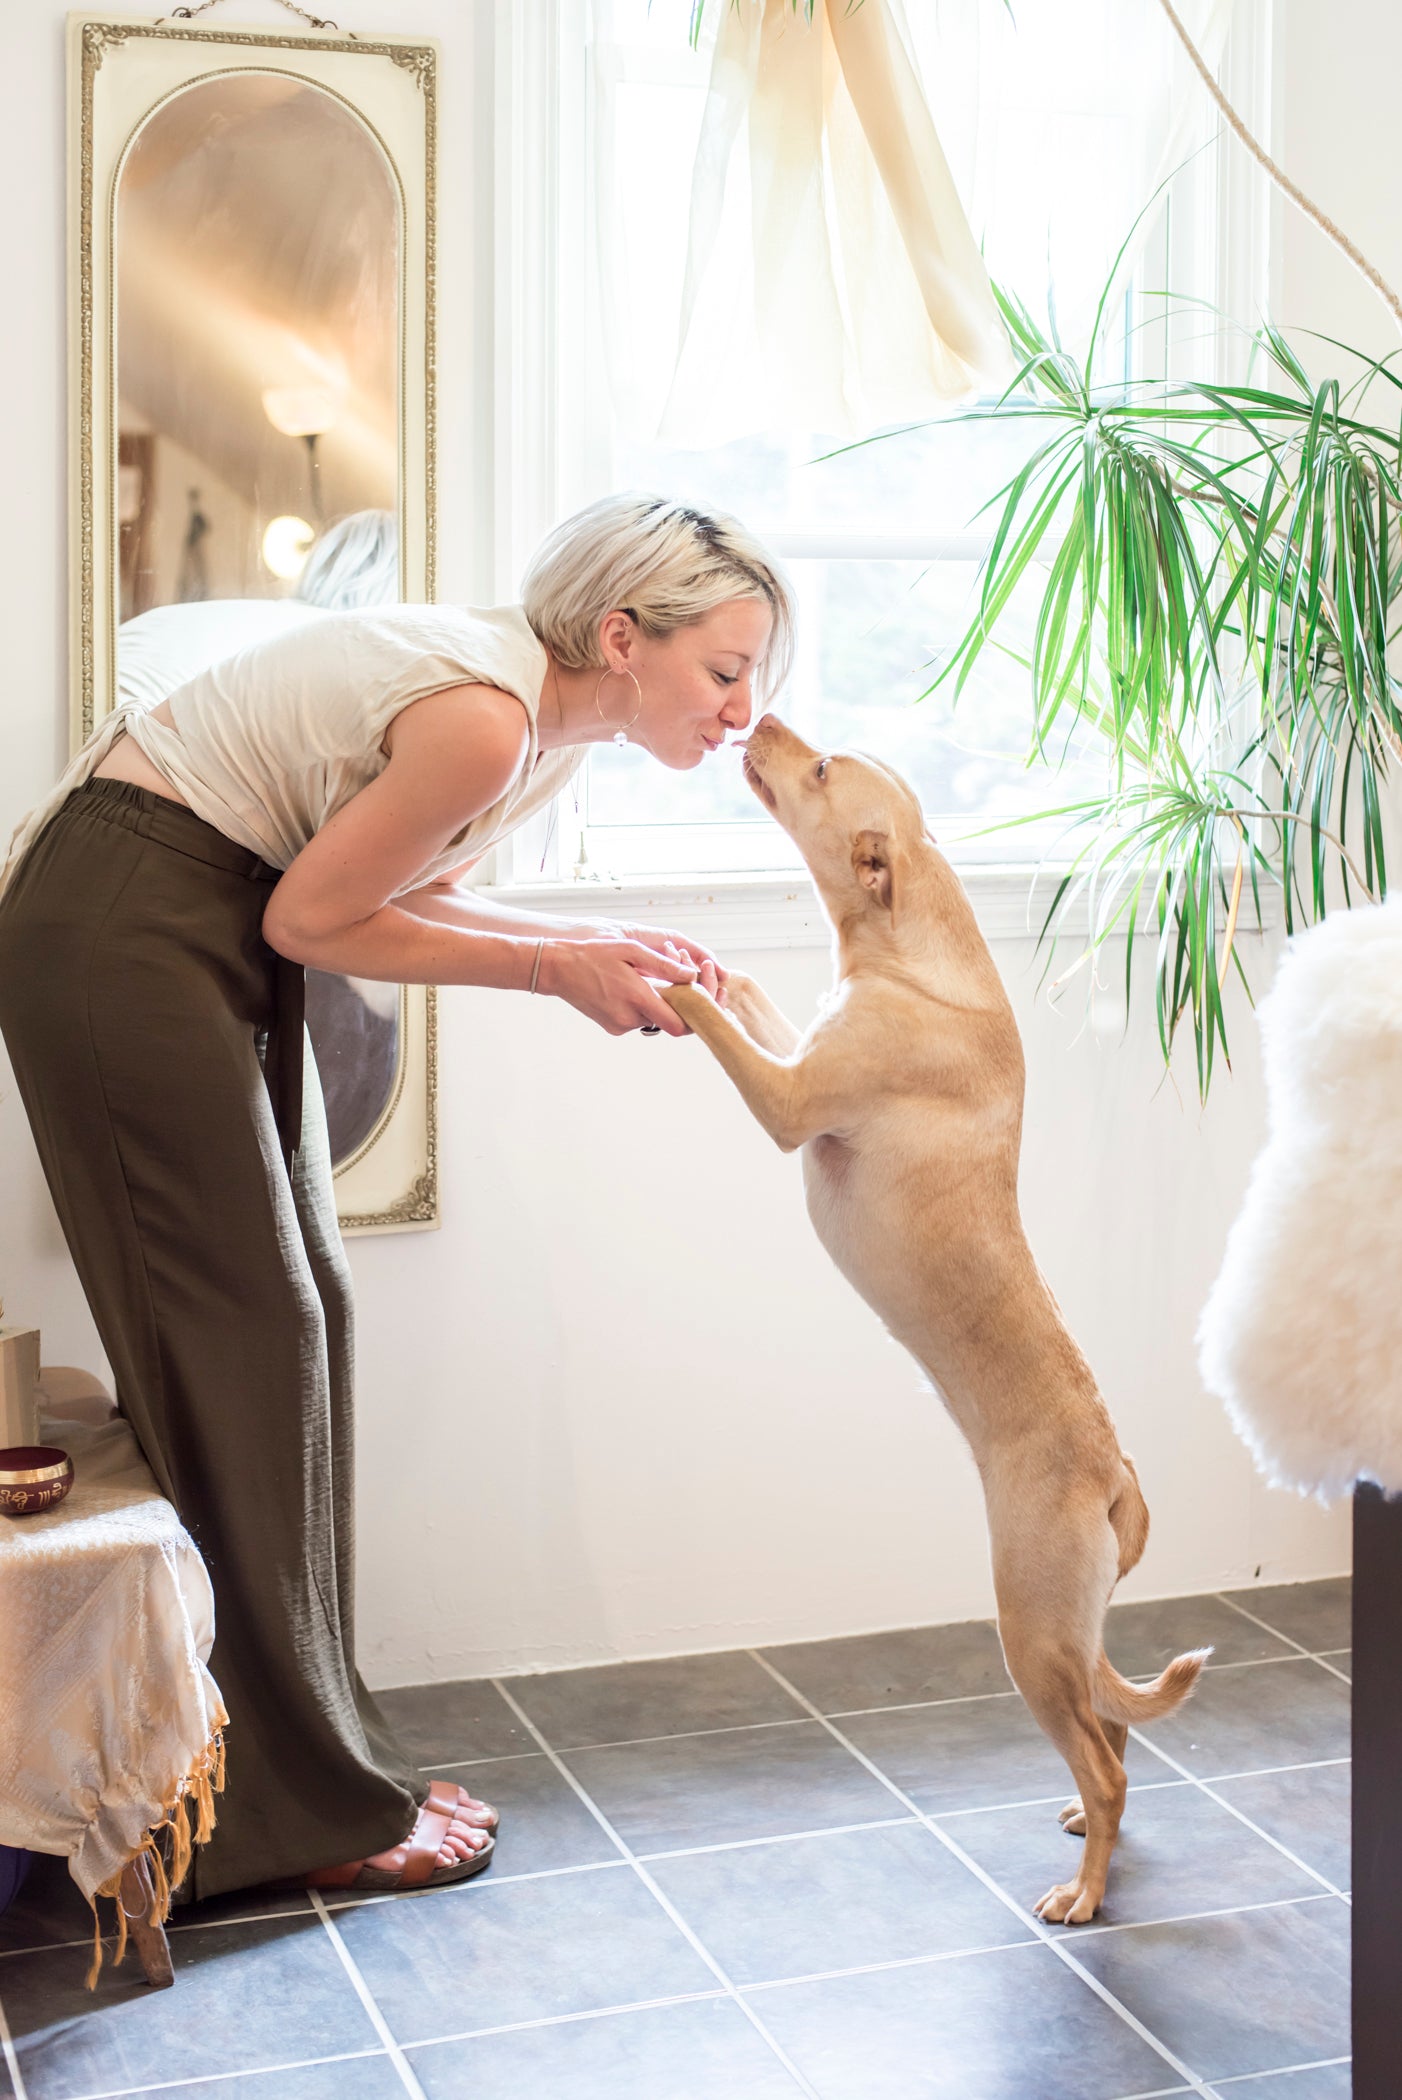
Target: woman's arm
447 904
337 906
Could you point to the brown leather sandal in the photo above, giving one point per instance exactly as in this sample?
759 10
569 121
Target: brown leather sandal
414 1863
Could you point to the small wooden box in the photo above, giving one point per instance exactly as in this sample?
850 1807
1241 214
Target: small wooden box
19 1379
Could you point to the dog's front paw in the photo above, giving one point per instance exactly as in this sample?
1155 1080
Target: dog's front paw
688 1000
742 1001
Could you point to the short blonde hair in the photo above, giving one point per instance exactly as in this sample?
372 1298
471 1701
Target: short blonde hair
662 562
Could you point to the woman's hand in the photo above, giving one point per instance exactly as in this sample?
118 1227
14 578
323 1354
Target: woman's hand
605 976
658 938
664 942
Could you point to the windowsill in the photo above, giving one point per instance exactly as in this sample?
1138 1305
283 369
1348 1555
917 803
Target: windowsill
732 913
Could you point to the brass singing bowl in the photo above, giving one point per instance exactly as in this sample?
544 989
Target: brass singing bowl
33 1477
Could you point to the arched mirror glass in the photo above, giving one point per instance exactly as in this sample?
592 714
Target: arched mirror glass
257 341
252 240
257 290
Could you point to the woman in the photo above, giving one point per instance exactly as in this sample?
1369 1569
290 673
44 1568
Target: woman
309 802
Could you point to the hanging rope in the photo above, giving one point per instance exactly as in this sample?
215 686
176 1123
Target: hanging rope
1279 177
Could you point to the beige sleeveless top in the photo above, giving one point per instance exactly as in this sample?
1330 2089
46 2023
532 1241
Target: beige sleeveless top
269 743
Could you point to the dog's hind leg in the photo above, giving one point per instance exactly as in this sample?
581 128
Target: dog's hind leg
1118 1703
1049 1618
1073 1817
1129 1520
1058 1692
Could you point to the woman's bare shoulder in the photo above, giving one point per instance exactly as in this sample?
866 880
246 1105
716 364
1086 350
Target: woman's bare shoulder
477 723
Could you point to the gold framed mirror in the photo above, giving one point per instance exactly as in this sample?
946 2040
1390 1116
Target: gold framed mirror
252 418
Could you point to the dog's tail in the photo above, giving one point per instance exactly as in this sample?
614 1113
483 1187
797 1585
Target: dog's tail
1116 1699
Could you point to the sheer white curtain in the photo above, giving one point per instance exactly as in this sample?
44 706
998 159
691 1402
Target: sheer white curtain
804 244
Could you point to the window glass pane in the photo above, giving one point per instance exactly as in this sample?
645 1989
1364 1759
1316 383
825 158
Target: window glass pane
924 481
1046 122
653 127
870 633
881 628
1045 154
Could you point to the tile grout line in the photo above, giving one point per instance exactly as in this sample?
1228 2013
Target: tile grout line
883 1968
1039 1930
572 2019
178 2085
362 1990
1007 1808
659 1897
496 1881
775 1837
624 1742
260 1917
1322 2063
506 1757
1313 1654
11 2056
915 1706
680 1735
1313 1764
1243 1662
1205 1786
869 1968
1199 1917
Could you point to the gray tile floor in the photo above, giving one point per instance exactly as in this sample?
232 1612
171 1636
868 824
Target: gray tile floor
800 1871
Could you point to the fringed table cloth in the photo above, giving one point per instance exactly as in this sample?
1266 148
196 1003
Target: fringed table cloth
110 1723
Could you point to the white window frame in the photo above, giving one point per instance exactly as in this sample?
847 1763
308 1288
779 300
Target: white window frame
546 337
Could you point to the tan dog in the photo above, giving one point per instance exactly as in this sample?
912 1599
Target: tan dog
906 1096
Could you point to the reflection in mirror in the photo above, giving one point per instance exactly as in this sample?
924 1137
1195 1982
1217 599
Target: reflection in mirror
257 275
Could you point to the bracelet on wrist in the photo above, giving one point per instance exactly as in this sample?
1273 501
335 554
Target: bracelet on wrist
535 966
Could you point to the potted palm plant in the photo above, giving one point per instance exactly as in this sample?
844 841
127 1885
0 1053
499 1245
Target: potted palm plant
1221 584
1222 568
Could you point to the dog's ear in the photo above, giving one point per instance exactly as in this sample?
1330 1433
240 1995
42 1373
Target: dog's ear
871 862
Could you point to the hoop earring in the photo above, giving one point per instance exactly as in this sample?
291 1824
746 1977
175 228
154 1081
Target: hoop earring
620 734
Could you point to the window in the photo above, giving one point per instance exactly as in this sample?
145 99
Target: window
881 539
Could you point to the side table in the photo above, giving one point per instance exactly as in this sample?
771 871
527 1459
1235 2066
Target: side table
110 1723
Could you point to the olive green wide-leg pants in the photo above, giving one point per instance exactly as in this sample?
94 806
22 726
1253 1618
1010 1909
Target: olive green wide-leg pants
136 991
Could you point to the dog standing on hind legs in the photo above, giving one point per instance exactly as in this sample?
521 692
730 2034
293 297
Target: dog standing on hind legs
906 1098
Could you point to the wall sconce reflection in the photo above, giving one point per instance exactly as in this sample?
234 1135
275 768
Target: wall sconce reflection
307 412
286 544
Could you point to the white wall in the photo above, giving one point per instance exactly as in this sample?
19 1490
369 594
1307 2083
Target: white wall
1337 71
691 1433
620 1404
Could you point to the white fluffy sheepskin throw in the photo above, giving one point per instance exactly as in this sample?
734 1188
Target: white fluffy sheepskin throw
1302 1335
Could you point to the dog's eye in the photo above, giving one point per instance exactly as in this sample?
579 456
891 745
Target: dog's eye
822 769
